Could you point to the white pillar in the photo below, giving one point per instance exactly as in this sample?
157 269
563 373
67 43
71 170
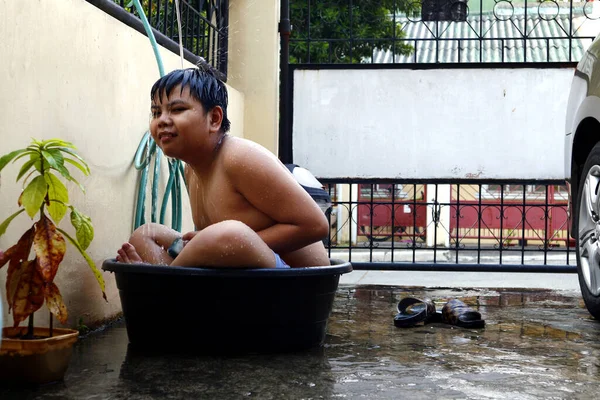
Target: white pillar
354 209
443 196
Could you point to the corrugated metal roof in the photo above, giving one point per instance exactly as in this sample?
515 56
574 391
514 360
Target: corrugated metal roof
485 38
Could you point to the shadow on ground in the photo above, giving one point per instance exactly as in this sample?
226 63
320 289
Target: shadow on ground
537 344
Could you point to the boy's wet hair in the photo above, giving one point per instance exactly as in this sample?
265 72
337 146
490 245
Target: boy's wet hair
204 86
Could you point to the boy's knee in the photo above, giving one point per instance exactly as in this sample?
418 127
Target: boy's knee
228 232
144 232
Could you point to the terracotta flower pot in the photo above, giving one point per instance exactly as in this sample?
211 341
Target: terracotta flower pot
35 361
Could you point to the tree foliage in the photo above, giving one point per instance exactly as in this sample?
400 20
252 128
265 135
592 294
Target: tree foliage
347 31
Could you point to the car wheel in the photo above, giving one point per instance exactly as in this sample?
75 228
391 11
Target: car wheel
587 233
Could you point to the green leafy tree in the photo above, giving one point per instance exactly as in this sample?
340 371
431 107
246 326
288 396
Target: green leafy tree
347 31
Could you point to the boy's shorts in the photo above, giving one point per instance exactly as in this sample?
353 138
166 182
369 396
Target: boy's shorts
279 263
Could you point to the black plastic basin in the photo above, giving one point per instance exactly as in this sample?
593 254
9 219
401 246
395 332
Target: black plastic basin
223 310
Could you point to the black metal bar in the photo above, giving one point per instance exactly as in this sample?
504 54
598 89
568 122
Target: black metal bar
525 34
424 66
393 219
165 17
197 34
397 266
186 31
203 46
479 219
351 35
149 13
547 216
157 19
308 31
501 221
435 222
393 37
449 181
571 31
523 222
457 218
413 237
350 212
285 98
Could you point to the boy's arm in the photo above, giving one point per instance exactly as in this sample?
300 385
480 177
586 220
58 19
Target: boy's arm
268 186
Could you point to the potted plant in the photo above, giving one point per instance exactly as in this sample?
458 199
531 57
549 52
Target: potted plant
31 354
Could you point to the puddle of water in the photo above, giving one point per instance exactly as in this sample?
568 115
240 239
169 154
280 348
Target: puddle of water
535 345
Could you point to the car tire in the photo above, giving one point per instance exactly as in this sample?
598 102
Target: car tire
587 232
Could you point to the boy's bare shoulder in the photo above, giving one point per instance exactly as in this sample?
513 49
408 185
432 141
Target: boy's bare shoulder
242 153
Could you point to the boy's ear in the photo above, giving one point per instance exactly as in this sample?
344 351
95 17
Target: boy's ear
216 117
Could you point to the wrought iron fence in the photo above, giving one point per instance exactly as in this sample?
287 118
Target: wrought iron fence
480 226
441 31
204 25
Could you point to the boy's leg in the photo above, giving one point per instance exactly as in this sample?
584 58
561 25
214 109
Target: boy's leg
226 244
149 244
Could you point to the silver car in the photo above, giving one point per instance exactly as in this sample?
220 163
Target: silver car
582 169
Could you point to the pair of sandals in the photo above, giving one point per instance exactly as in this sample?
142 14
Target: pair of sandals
413 311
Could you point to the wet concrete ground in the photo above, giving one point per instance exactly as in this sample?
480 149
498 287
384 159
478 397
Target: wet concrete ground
537 344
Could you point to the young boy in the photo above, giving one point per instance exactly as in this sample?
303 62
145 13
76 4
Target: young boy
248 209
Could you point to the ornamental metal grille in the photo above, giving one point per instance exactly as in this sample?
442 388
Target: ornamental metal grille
204 25
480 226
441 31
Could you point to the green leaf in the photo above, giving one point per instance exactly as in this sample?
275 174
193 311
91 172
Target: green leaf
79 166
57 155
8 157
29 153
74 154
48 157
84 231
26 167
56 164
34 194
87 258
47 144
26 179
56 191
8 220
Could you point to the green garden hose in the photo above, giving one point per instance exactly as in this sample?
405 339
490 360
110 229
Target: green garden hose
148 151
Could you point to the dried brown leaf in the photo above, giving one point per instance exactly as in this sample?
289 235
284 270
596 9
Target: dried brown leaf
29 293
20 253
49 247
55 303
5 256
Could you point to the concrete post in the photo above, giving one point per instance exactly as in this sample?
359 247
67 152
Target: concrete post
253 66
443 196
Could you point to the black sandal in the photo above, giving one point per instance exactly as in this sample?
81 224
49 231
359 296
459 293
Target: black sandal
413 311
455 312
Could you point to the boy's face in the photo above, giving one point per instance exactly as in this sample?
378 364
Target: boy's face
180 125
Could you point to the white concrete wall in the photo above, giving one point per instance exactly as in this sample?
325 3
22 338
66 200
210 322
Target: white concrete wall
71 71
441 123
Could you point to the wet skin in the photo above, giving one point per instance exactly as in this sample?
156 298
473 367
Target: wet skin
245 203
